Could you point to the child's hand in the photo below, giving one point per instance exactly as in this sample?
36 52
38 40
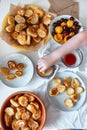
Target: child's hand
44 63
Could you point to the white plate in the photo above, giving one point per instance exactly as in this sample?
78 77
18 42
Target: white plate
27 72
58 101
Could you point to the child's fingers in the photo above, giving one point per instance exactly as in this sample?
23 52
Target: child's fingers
41 69
40 60
40 66
39 63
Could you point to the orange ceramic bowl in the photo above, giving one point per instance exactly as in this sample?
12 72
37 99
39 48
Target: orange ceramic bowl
7 103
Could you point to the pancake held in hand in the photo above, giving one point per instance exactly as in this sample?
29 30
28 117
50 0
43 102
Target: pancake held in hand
47 73
26 28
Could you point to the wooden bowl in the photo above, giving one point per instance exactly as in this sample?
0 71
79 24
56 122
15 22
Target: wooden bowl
41 120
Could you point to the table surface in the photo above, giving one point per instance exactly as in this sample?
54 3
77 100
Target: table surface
36 84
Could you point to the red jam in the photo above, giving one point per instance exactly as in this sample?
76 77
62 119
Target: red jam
69 59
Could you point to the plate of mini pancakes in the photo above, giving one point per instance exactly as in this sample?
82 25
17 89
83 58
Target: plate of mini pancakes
66 91
16 70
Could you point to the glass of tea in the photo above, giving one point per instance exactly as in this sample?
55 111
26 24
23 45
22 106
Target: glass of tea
73 59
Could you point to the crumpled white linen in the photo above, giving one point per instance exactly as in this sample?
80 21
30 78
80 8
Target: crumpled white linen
55 119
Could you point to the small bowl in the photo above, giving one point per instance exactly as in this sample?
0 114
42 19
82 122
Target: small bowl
67 31
46 74
41 120
73 59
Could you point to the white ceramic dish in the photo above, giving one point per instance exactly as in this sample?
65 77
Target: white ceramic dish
58 18
58 101
27 72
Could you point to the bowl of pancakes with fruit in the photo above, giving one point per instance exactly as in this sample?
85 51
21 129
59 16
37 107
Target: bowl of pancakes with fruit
23 110
26 28
64 27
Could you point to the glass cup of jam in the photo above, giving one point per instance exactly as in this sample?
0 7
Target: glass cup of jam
73 59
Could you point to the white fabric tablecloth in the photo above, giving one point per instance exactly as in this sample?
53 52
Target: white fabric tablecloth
55 119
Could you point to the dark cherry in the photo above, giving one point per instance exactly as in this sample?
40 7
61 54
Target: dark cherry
62 19
78 27
72 18
65 33
58 22
68 37
53 33
68 31
65 28
55 24
75 23
71 29
65 20
75 31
